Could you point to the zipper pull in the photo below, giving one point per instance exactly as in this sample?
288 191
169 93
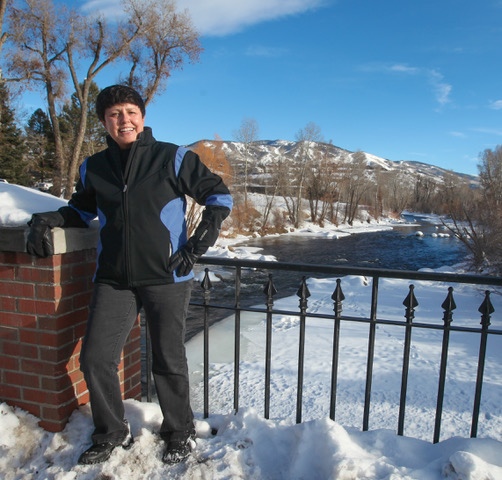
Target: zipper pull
125 188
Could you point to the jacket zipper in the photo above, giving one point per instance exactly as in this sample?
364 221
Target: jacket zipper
127 252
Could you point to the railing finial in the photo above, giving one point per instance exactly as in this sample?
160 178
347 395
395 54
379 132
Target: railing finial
270 291
410 302
486 309
206 284
338 297
448 306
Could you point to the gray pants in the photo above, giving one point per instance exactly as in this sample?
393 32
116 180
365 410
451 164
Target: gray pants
111 317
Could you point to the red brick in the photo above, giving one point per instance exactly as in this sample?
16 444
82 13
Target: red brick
134 393
66 274
76 317
52 261
9 363
53 426
80 388
47 397
44 368
33 408
82 300
38 275
74 288
76 376
57 354
7 272
83 270
45 339
57 412
50 292
17 289
7 304
20 350
84 398
55 384
10 392
9 258
132 359
36 306
18 320
53 323
78 256
80 330
64 305
21 379
11 334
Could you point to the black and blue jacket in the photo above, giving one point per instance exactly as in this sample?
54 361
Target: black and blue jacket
141 209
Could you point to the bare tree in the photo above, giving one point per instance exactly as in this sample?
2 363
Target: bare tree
213 156
477 221
321 184
490 175
273 175
247 134
40 36
398 191
3 35
52 44
307 138
168 38
354 185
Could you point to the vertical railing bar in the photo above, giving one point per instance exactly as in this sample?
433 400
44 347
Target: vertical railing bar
303 293
337 298
371 353
486 309
270 291
448 306
206 285
148 347
410 303
237 340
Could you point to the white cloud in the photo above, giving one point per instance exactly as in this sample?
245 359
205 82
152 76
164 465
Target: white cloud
457 134
497 105
489 131
107 8
435 79
403 69
441 89
263 51
221 17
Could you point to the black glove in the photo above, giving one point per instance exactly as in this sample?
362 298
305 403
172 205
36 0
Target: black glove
204 237
182 261
39 241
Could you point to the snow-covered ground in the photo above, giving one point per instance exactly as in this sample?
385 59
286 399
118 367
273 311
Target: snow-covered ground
247 446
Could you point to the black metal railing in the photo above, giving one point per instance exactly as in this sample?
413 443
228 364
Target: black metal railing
410 303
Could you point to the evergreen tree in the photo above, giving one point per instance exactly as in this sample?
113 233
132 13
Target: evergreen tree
12 162
95 135
40 146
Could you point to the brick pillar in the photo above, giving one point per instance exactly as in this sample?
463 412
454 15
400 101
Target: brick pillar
43 313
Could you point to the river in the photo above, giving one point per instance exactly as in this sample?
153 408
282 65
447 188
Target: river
398 248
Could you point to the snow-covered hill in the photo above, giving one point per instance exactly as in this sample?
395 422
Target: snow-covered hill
264 154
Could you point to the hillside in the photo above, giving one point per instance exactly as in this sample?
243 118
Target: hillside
266 153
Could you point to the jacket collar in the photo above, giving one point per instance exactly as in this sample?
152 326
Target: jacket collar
144 138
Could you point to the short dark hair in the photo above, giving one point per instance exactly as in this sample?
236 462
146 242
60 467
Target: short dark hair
114 94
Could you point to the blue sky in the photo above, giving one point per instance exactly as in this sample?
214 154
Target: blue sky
405 80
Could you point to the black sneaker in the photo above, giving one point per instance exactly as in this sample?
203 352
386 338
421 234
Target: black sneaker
100 452
178 450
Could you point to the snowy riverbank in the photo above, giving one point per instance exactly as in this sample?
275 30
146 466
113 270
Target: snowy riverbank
247 446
